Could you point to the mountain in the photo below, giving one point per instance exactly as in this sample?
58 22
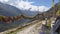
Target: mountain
29 13
8 10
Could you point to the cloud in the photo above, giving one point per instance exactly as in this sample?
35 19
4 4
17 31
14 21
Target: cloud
43 8
34 8
26 5
4 1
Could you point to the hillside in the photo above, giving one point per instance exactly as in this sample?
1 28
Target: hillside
54 10
8 10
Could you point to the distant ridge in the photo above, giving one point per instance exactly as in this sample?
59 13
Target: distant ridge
8 10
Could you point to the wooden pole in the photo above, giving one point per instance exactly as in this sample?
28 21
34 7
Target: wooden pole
52 32
53 3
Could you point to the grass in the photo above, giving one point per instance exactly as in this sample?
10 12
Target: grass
49 23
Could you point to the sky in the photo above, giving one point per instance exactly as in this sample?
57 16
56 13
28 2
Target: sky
32 5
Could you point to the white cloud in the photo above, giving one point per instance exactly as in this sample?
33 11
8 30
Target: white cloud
34 8
23 5
43 8
4 1
26 5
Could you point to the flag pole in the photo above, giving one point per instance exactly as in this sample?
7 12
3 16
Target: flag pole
52 32
53 8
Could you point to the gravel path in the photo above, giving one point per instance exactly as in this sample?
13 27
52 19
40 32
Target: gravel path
32 29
